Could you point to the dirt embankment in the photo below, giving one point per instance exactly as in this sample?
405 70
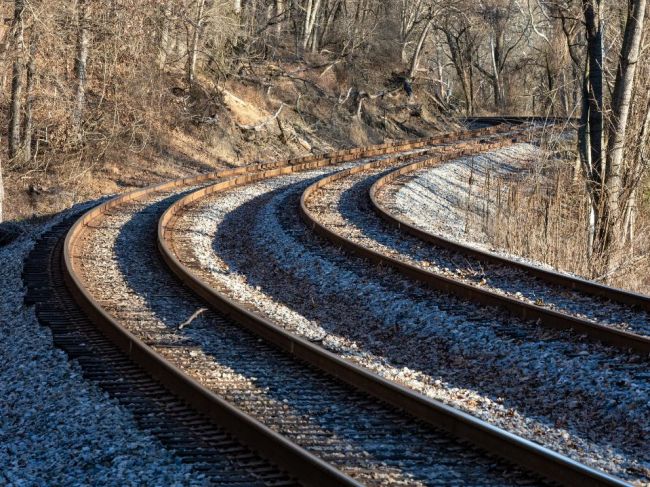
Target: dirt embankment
283 111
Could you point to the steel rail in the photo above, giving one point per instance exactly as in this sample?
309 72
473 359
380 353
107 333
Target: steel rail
584 285
557 319
497 442
192 437
306 467
528 311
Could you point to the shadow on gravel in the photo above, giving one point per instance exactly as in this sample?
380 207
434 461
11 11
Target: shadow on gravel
291 388
523 367
14 229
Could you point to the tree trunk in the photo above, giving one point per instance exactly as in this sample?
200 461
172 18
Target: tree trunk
311 15
328 19
279 13
28 129
193 52
618 121
591 130
163 46
461 59
418 49
16 81
81 60
314 39
495 79
306 26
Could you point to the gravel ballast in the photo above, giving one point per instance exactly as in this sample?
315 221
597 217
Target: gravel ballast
435 200
581 399
57 428
119 264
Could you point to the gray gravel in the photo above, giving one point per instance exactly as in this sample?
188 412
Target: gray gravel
581 399
56 428
435 199
362 438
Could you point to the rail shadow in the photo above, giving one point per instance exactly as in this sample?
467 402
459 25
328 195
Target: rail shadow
300 391
463 345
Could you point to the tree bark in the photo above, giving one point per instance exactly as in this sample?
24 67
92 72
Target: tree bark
81 60
16 81
279 13
618 121
591 130
163 46
461 54
497 67
311 14
418 49
28 129
194 48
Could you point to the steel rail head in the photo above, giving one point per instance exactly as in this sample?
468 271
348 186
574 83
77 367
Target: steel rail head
590 287
306 467
527 311
611 336
522 452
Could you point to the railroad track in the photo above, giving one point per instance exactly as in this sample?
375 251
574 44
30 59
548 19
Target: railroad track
143 350
232 366
212 453
338 208
179 252
616 317
499 282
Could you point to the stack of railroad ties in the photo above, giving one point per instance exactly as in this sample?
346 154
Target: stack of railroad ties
306 467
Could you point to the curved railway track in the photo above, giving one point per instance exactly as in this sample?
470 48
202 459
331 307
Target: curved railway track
588 309
417 265
177 254
208 449
231 366
306 467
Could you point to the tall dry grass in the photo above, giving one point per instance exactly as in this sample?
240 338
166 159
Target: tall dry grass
542 214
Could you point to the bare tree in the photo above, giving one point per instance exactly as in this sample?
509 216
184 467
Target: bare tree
193 49
165 20
312 10
500 20
15 110
418 48
81 60
617 126
28 129
603 132
279 14
410 16
462 44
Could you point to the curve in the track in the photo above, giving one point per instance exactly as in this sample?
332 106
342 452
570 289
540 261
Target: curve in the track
606 334
503 444
300 463
529 311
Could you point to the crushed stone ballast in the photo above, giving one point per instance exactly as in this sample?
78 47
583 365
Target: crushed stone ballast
189 267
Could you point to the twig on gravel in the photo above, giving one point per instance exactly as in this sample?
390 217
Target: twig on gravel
192 318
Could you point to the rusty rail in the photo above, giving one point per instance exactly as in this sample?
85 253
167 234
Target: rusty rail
527 311
588 287
306 467
498 442
556 319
